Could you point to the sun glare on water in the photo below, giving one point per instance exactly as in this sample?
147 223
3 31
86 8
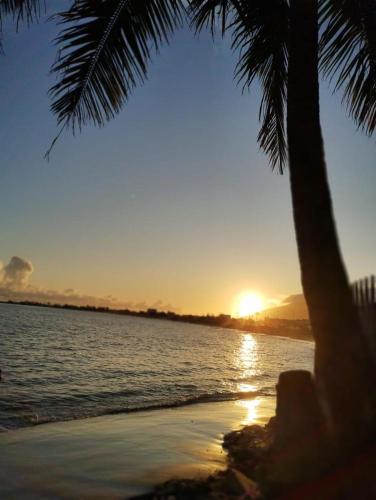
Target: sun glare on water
248 304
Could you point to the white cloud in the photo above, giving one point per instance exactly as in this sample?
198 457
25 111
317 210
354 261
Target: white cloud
14 285
16 273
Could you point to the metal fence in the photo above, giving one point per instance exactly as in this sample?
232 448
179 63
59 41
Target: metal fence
364 294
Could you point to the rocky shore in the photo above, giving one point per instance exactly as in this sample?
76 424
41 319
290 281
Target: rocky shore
290 458
247 451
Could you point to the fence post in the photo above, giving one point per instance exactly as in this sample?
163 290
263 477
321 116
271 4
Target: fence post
364 294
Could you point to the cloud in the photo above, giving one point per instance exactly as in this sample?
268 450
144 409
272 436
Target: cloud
14 285
16 274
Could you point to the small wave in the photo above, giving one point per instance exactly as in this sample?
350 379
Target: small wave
105 394
202 398
45 420
35 419
186 386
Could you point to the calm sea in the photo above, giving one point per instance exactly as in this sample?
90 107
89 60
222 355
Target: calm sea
63 365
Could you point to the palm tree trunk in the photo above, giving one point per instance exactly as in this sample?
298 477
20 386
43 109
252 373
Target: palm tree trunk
343 368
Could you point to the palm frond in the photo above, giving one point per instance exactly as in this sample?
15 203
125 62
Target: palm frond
259 31
210 14
21 11
103 53
348 55
260 34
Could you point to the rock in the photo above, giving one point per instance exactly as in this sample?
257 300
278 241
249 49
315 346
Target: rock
300 450
298 412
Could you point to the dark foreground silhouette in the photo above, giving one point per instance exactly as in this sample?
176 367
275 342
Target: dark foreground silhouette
292 457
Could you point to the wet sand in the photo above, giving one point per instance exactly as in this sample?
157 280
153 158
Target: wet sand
119 456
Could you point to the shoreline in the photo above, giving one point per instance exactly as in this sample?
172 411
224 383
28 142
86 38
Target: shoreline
195 400
298 329
122 456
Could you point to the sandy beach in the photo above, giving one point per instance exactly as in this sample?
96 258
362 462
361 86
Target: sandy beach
119 456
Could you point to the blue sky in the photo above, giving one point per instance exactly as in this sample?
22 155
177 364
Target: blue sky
172 200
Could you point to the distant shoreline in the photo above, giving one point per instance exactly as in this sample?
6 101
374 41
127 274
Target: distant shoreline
295 329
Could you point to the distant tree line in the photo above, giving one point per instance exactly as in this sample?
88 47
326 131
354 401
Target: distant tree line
299 329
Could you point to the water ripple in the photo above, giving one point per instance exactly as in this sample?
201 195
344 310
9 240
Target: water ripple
62 365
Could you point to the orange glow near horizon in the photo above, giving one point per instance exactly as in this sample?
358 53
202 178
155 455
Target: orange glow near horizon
248 304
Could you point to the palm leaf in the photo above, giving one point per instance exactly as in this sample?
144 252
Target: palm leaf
21 11
348 55
210 14
259 34
104 49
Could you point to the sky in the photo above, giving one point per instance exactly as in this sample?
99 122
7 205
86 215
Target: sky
171 204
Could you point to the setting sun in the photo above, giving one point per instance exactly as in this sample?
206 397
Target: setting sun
248 304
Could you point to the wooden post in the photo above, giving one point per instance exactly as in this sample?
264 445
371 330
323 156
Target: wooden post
300 449
361 297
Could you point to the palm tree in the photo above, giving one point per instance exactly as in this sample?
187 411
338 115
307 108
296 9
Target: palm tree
104 49
343 366
278 42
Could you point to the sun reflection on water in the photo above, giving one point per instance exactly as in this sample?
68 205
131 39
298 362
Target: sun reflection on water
248 358
247 361
247 351
246 387
251 405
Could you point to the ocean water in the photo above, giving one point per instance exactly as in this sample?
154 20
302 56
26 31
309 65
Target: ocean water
63 365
